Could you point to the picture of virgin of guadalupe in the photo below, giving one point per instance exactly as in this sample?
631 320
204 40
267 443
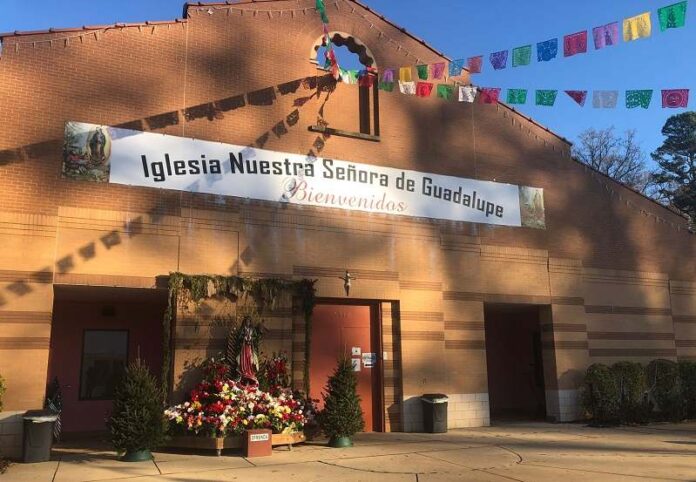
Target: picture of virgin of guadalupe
86 152
97 146
532 207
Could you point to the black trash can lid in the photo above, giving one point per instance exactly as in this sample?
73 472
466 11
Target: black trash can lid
39 416
435 398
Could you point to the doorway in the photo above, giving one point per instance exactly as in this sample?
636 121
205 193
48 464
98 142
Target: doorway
96 332
514 360
351 330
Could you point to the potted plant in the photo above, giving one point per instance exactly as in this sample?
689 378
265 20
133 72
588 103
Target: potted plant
137 424
342 416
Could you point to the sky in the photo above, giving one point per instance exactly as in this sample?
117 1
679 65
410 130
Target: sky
463 28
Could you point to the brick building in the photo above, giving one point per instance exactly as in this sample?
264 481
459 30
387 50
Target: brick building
503 319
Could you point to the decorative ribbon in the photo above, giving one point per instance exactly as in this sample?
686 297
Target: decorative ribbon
606 35
547 50
475 64
517 96
579 96
445 91
673 16
522 56
467 93
499 59
546 98
574 44
437 70
424 89
637 27
638 98
489 95
330 56
675 98
455 67
605 99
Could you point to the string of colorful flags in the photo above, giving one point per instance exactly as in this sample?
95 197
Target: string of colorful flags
672 16
634 28
601 99
407 85
331 63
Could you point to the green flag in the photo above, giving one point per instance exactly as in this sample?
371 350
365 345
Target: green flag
638 98
521 56
546 97
673 16
422 72
517 96
386 86
445 91
321 8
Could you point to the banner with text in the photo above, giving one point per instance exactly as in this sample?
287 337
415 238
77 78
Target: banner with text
134 158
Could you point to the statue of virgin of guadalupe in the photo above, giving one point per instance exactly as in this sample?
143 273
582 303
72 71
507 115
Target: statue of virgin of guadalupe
247 359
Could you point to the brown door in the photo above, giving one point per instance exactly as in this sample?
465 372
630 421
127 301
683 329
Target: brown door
343 330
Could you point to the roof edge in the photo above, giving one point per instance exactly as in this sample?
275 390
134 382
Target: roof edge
396 26
187 5
89 28
672 210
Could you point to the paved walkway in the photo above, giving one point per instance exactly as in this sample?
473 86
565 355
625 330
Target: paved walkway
520 452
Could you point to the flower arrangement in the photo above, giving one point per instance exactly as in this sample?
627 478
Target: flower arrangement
273 374
219 406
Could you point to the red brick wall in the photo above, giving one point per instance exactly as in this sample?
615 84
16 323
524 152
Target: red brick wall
131 74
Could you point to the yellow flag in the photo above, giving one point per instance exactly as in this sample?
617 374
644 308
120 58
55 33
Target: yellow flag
637 27
405 74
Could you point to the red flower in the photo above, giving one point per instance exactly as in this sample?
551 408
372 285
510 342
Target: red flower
217 407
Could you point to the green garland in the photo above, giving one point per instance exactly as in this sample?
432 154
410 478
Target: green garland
307 293
264 291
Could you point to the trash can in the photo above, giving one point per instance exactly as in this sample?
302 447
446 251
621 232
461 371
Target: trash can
38 435
435 412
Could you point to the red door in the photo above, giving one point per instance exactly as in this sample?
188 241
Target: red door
348 330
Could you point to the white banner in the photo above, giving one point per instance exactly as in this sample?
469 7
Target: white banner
135 158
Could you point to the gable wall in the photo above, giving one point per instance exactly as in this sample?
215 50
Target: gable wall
436 276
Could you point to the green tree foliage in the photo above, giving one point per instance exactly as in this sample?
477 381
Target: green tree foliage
634 406
687 373
2 390
601 397
342 415
137 421
676 158
665 384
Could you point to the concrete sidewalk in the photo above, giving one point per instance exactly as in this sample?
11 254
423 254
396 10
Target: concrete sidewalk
521 452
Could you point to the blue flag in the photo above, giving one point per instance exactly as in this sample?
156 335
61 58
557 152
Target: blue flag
547 50
455 67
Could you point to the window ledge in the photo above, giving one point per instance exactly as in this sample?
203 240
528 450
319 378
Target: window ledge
342 133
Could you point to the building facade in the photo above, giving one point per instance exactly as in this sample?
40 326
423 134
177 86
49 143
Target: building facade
503 319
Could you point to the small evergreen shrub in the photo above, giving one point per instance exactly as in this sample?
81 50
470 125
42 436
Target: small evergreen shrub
137 422
601 398
2 390
634 405
687 373
665 387
342 415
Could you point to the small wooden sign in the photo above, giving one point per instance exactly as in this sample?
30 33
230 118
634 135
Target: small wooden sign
258 443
